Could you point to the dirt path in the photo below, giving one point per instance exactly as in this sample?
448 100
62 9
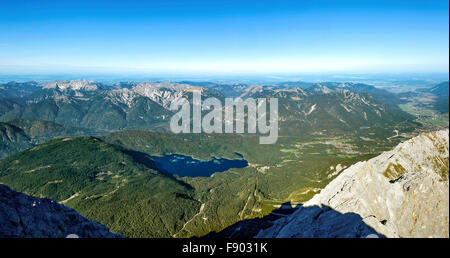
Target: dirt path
70 198
241 213
187 222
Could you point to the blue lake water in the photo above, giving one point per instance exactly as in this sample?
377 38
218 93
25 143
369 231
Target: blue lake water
187 166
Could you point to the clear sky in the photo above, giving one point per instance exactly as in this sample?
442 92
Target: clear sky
224 36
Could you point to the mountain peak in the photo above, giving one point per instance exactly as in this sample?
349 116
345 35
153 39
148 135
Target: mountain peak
161 93
79 84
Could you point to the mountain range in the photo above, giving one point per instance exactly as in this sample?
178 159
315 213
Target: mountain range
145 105
91 146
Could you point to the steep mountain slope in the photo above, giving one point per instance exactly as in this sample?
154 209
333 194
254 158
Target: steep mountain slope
19 134
18 89
98 111
12 139
441 91
400 193
384 96
342 111
44 130
8 105
106 183
381 95
24 216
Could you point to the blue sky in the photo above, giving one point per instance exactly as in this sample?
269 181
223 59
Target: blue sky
224 36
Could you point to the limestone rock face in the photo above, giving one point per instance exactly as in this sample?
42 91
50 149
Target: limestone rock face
72 85
400 193
24 216
161 93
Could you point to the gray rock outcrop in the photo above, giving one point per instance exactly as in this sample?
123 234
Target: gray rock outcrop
23 216
400 193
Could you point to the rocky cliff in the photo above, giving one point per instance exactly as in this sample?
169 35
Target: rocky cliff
24 216
400 193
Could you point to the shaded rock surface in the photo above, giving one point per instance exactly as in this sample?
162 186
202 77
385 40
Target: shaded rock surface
400 193
316 222
24 216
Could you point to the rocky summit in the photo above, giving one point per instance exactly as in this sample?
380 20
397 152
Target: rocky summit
24 216
400 193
